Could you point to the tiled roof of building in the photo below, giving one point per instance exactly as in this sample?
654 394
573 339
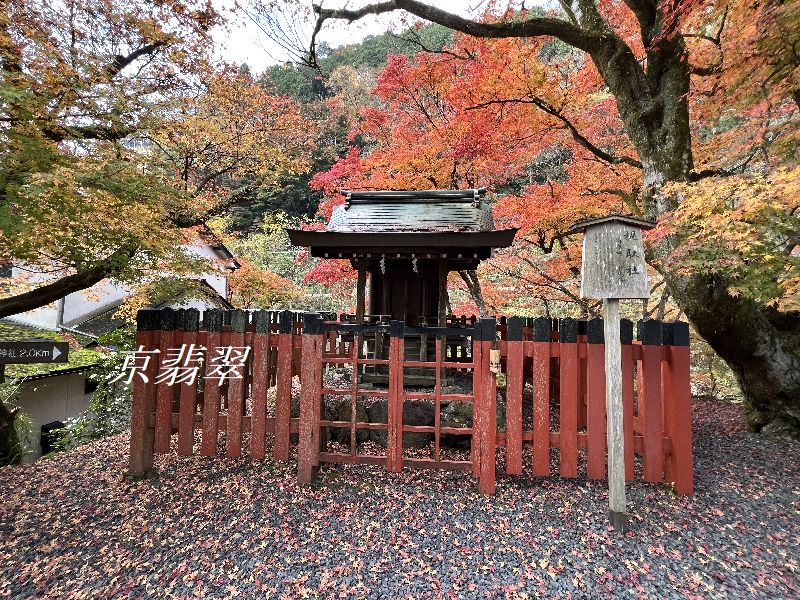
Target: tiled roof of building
79 358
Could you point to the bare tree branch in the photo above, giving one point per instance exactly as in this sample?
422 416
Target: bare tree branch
474 287
717 41
109 133
417 41
567 6
576 135
705 173
531 27
120 62
707 70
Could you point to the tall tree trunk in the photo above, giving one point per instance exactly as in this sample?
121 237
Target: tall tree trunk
474 286
760 344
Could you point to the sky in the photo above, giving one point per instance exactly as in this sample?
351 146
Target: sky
243 42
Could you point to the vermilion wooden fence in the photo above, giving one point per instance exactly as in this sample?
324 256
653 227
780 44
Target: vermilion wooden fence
556 366
218 412
565 367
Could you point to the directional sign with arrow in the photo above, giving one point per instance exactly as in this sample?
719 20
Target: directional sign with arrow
33 351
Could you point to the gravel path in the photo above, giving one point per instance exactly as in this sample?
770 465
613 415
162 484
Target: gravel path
71 526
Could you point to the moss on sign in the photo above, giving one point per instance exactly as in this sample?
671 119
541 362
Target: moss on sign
78 357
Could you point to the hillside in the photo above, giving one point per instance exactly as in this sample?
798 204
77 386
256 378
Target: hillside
312 88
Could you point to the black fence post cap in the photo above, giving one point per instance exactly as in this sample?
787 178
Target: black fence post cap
514 333
312 324
568 330
148 320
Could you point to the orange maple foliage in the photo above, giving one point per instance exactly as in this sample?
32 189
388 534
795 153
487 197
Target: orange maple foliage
532 120
253 287
482 120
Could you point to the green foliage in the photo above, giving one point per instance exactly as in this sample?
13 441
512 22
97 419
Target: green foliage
270 249
744 228
291 194
307 85
296 81
550 165
27 433
164 289
711 377
109 409
374 49
10 447
78 80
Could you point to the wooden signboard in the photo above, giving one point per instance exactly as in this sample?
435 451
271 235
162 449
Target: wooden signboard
613 268
32 351
613 264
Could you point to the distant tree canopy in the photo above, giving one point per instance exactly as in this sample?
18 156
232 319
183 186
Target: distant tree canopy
333 95
308 84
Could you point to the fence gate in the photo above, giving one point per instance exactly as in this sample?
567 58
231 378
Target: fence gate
403 359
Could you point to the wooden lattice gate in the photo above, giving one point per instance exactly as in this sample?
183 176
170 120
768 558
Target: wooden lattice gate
553 370
335 344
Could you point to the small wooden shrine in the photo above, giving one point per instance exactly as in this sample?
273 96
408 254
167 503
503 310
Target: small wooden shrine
405 243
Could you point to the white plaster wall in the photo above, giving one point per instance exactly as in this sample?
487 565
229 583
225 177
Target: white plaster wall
218 282
52 399
200 305
106 293
43 318
95 299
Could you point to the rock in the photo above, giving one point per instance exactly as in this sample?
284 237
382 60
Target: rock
459 414
501 412
415 412
339 408
453 389
295 414
781 428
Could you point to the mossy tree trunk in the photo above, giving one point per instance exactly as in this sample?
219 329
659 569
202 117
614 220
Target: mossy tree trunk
760 344
9 443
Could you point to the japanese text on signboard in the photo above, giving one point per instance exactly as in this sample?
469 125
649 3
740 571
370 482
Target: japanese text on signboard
627 247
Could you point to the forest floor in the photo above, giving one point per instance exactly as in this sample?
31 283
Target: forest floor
74 526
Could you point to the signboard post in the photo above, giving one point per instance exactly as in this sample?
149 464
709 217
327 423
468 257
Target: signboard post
613 268
32 351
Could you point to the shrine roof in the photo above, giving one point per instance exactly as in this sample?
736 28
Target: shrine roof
412 211
408 220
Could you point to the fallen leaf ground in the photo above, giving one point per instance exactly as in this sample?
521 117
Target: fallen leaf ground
73 526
